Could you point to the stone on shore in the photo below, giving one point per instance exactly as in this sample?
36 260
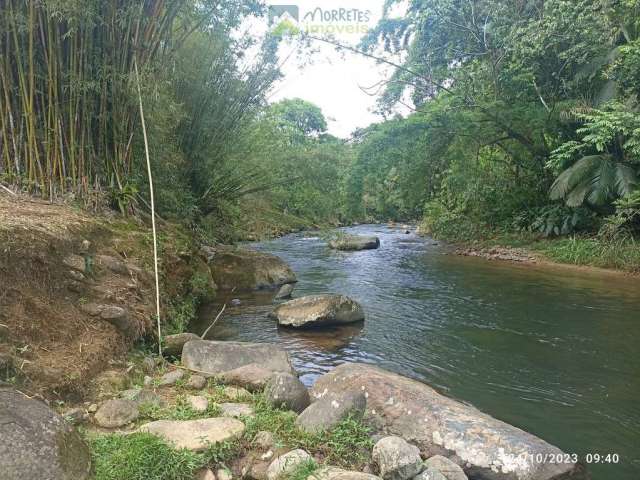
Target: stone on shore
431 474
116 413
196 382
170 378
213 357
286 464
173 344
241 269
196 435
142 397
253 377
489 448
450 470
355 242
397 459
36 443
333 473
285 391
318 311
326 413
198 403
236 410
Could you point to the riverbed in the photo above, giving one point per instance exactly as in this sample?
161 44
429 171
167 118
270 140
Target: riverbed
551 351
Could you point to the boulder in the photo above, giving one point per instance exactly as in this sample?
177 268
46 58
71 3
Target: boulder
196 435
116 413
213 357
285 391
355 242
488 448
431 473
448 468
173 344
318 311
170 378
253 377
285 292
36 443
333 473
240 269
326 413
142 397
286 464
397 459
119 317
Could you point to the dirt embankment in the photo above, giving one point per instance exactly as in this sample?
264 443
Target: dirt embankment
75 293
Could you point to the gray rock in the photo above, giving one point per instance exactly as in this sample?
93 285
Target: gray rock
286 464
148 365
142 397
328 412
116 413
355 242
333 473
112 263
318 311
120 318
236 410
223 474
435 423
170 378
253 377
285 292
205 474
196 435
397 459
449 469
173 344
217 357
264 440
236 393
431 474
248 270
196 382
36 443
198 403
285 391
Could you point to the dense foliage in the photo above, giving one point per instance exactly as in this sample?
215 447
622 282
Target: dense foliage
526 117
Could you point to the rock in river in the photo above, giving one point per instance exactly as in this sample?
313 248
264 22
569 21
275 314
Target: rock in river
213 357
318 311
36 443
486 447
240 269
355 242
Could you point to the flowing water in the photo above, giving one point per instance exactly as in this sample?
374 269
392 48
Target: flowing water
550 350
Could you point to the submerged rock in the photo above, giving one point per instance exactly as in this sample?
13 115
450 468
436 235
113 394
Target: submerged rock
284 292
36 443
355 242
318 311
196 435
213 357
487 447
248 270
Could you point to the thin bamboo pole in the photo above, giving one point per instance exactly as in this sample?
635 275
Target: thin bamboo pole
153 208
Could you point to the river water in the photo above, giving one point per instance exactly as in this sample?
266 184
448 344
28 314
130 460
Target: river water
550 350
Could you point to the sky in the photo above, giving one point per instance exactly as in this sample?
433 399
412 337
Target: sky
330 79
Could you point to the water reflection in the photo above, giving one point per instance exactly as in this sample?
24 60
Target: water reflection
549 350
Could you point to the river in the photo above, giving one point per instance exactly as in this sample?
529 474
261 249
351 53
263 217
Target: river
550 350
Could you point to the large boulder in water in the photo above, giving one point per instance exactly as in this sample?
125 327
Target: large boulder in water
355 242
485 447
318 311
240 269
213 357
35 442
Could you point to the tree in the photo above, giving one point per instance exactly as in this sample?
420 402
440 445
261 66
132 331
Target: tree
299 116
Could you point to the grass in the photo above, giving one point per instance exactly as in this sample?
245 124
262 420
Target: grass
303 471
